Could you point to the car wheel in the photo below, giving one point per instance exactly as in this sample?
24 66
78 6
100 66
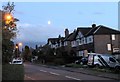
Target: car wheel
81 63
97 66
117 69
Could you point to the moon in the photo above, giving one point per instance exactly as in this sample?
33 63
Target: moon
49 22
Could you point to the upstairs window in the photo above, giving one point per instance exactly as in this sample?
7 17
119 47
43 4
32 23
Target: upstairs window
65 43
113 36
89 39
73 43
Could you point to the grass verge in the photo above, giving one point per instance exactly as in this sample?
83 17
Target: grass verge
107 70
74 65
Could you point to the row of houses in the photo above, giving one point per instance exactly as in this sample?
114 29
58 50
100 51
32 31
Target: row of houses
83 40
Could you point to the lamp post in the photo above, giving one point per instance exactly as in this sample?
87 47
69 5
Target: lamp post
20 44
17 48
20 47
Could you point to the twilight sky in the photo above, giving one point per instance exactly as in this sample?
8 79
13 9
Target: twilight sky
34 16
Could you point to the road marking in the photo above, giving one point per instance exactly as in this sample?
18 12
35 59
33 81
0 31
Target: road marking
29 77
44 65
43 71
54 73
72 78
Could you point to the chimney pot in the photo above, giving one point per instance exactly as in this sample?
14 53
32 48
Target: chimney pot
93 25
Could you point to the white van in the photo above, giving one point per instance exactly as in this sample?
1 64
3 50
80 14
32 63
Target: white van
104 60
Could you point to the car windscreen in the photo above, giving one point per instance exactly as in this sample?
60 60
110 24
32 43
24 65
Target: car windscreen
112 59
16 61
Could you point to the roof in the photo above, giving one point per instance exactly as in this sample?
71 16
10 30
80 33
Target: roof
66 38
71 36
84 30
62 38
99 30
92 30
105 30
55 40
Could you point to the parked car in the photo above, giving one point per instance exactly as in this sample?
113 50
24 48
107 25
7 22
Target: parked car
102 60
82 61
16 61
34 58
117 56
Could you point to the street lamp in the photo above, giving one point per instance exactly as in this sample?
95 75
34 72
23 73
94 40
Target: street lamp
9 20
8 17
17 49
20 44
20 47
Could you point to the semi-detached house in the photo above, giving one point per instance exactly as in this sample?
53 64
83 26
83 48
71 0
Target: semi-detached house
97 39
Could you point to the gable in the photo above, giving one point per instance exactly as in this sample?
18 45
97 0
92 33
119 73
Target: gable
79 35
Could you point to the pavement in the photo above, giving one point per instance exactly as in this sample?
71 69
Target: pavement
87 71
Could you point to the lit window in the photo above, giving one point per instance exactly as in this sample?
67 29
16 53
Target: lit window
109 47
113 36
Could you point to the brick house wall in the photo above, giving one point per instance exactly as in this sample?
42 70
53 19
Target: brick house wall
101 41
116 42
119 41
68 47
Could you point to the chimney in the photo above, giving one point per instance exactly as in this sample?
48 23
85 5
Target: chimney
59 36
66 32
93 25
74 30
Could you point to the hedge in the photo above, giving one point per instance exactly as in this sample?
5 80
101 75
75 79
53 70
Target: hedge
12 72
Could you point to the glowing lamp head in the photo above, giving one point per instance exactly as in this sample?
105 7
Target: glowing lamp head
8 17
7 22
20 44
16 47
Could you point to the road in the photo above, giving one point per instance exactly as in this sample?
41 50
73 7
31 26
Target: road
35 72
